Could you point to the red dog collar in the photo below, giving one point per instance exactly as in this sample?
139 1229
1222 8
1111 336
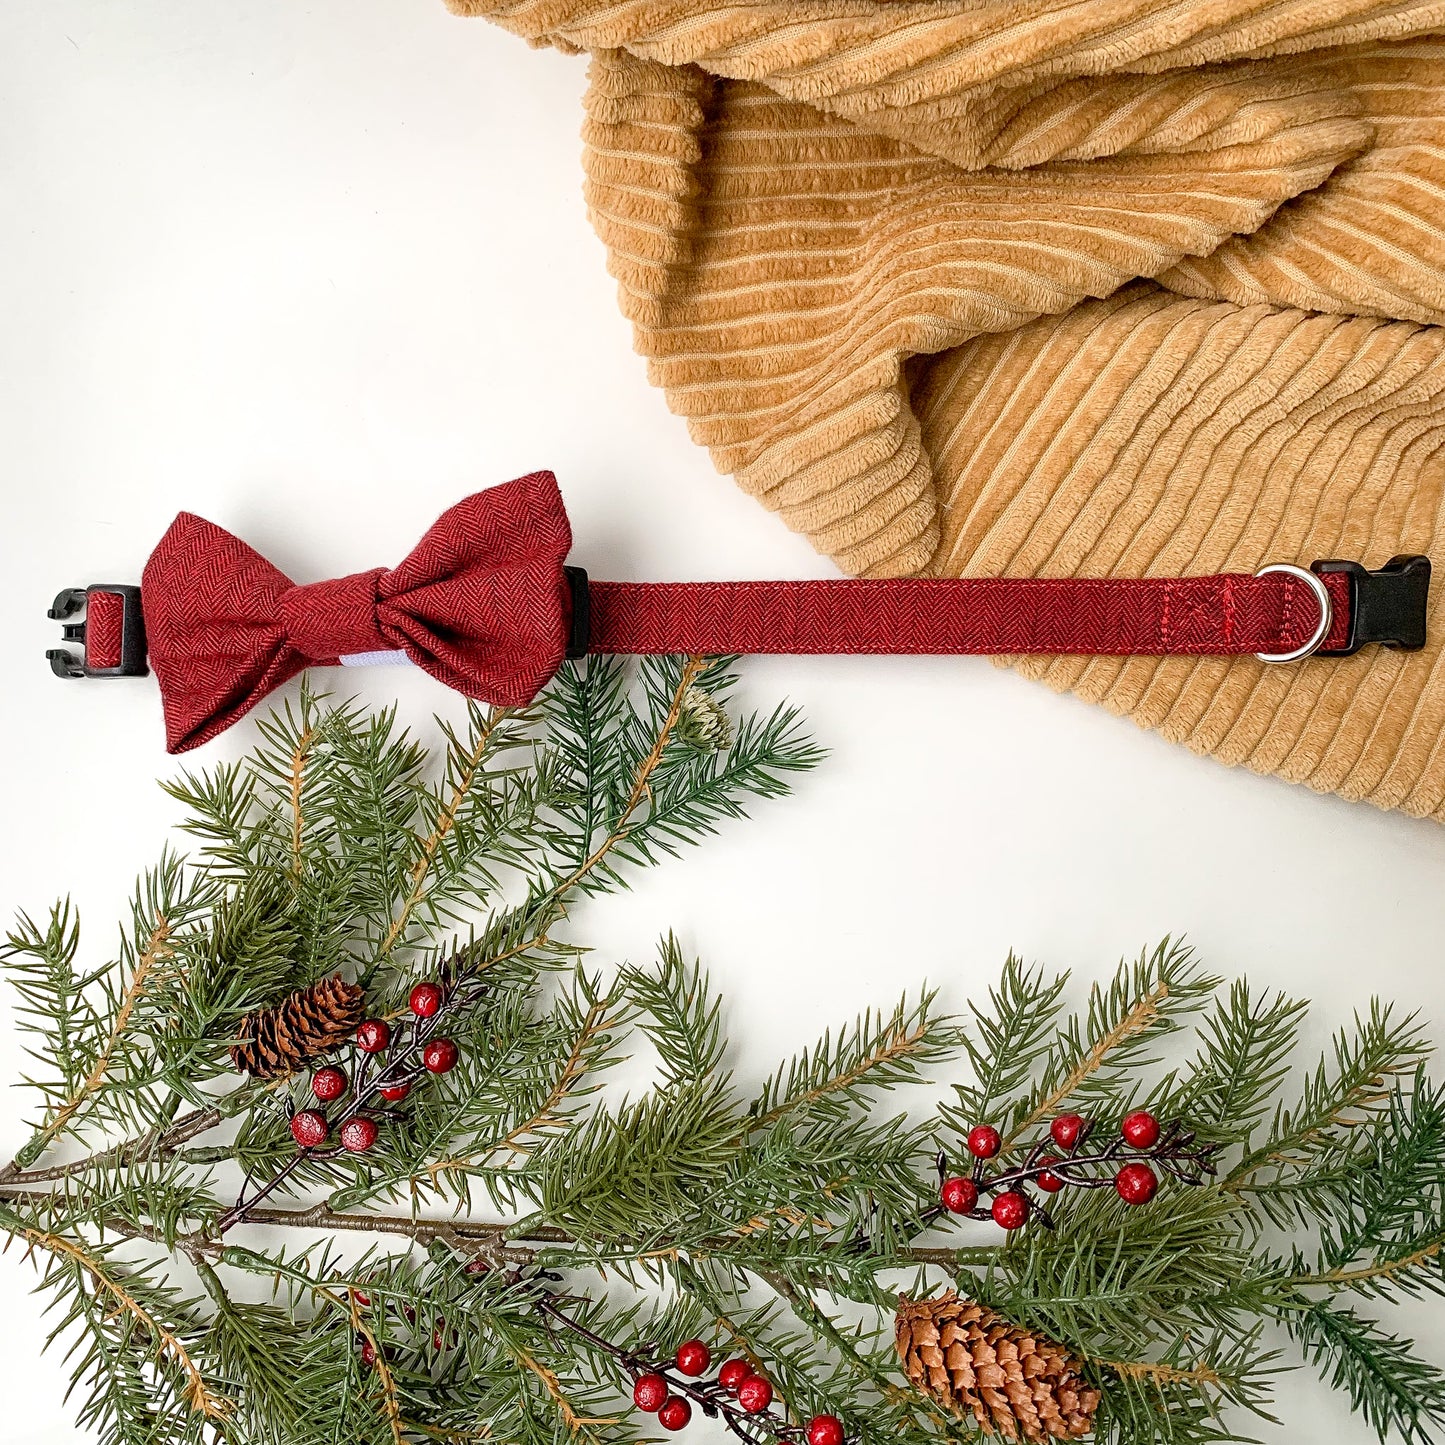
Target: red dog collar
486 603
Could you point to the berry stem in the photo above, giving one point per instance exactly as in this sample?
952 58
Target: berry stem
1177 1151
403 1065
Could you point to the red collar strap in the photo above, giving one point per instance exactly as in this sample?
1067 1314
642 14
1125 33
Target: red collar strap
486 604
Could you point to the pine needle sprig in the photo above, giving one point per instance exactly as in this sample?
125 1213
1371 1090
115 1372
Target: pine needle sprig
1123 1278
1400 1394
1176 1397
103 1021
1245 1043
1349 1087
1005 1043
1115 1036
880 1050
679 1013
1386 1234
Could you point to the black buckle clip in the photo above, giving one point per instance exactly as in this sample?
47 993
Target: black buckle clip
577 634
64 663
1387 606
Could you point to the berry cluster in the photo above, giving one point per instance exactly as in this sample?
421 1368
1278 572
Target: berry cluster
738 1390
1127 1164
411 1052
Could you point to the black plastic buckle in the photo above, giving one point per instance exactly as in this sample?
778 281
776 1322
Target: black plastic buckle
64 663
1387 606
579 634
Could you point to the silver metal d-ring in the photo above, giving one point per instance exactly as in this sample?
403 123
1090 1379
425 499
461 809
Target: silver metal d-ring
1327 612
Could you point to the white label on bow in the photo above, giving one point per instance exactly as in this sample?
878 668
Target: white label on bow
376 659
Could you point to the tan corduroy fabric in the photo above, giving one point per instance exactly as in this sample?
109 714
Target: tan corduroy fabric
1016 287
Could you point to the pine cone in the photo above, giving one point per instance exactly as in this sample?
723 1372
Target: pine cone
276 1041
970 1358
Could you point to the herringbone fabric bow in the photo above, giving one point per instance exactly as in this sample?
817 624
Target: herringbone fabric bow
481 603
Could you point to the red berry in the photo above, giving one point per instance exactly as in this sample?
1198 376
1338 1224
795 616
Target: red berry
373 1035
364 1300
309 1128
825 1430
649 1393
358 1135
1010 1209
693 1357
732 1374
1048 1181
394 1093
368 1353
425 1000
755 1394
1065 1130
675 1414
958 1195
1136 1183
439 1056
328 1084
1141 1129
984 1142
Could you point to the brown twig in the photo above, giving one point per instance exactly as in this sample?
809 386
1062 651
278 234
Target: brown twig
496 1241
196 1392
162 1143
299 755
1380 1270
553 1386
390 1398
1160 1374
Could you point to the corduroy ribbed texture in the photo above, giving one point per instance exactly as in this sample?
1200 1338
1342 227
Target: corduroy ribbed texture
1010 289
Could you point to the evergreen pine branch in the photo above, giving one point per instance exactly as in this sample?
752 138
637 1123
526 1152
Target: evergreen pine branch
343 844
588 707
1006 1043
97 1058
1121 1278
221 811
1396 1391
521 1083
680 1014
1349 1087
1242 1058
1114 1037
476 822
1384 1234
878 1051
634 1170
1178 1394
52 1005
126 1310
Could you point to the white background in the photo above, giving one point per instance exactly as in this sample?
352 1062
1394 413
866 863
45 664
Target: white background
316 271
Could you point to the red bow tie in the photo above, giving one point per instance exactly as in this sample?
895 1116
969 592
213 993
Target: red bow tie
482 603
486 604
